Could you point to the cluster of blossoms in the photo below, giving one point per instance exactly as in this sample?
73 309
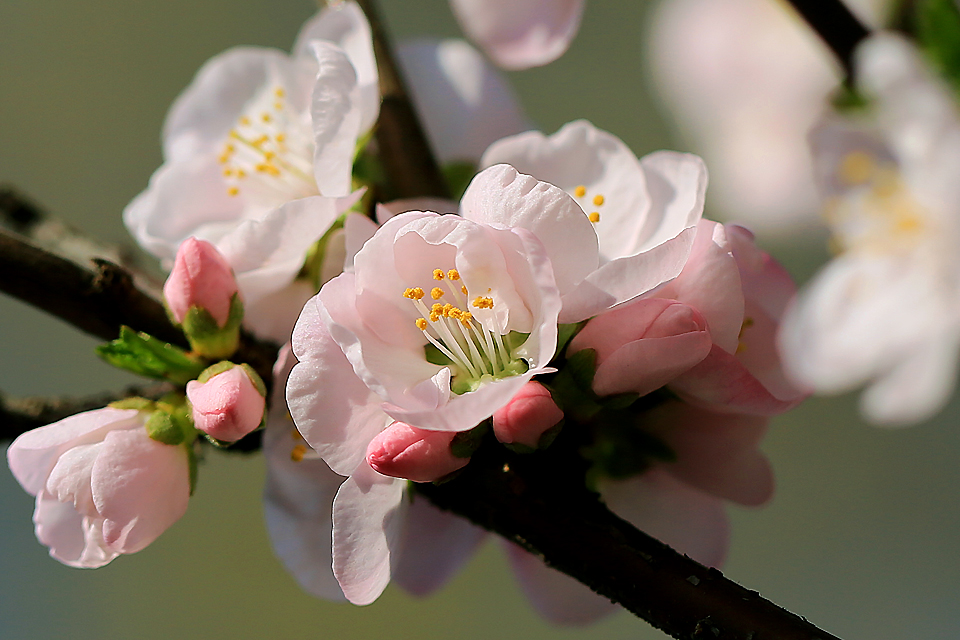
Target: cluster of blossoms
574 292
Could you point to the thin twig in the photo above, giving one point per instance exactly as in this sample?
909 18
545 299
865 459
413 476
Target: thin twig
836 26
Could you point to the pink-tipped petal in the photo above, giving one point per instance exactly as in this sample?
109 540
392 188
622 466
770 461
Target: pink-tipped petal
556 596
527 416
201 277
73 539
402 451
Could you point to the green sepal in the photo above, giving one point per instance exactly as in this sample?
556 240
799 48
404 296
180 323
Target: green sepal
620 449
136 402
565 333
458 176
937 25
849 100
162 427
144 355
620 401
255 379
466 443
214 370
312 269
546 439
571 387
209 339
193 465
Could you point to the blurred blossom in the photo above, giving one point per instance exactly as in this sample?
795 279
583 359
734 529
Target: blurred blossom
518 34
884 312
746 80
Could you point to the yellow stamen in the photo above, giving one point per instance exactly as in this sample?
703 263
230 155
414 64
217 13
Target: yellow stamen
594 217
446 310
241 173
227 172
463 289
598 200
483 303
266 117
856 168
438 274
295 434
298 452
580 191
278 106
279 92
434 316
436 293
232 191
245 121
413 294
281 137
453 274
421 324
224 159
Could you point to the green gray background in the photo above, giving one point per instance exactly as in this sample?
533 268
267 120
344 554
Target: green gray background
861 537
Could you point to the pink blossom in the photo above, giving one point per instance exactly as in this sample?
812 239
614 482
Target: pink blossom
402 451
103 487
527 416
201 277
228 406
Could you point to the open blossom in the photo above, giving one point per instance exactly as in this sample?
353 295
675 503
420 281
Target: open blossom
103 486
258 153
884 311
746 80
644 212
518 34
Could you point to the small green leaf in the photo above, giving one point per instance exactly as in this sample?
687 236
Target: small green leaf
144 355
937 24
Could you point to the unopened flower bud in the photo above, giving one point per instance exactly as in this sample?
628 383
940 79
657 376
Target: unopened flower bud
227 405
402 451
202 296
530 414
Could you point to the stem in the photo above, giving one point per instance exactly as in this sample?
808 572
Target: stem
836 26
404 148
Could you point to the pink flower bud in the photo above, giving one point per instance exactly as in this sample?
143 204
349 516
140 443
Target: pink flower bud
527 416
402 451
228 406
201 277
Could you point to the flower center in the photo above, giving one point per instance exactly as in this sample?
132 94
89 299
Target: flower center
580 195
876 213
475 350
268 155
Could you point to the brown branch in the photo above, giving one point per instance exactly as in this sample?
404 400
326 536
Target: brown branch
18 415
403 146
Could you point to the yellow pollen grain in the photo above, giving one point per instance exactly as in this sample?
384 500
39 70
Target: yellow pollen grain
856 168
466 317
446 310
232 191
436 308
295 434
598 200
280 137
434 316
269 155
909 224
259 141
438 274
279 92
483 303
453 274
463 289
241 173
580 191
227 172
278 106
421 324
456 313
245 121
594 217
224 159
298 452
266 117
415 293
436 293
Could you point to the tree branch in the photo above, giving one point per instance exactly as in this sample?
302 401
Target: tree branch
404 149
836 26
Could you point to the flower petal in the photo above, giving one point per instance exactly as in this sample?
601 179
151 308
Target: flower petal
688 520
368 516
465 104
518 34
73 539
436 544
555 595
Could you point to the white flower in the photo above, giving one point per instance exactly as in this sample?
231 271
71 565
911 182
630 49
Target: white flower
518 34
885 311
644 212
258 153
103 487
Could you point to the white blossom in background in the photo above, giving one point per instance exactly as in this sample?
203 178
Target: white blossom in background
885 312
258 155
518 34
745 81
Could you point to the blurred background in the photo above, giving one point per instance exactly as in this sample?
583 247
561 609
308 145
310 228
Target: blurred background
861 537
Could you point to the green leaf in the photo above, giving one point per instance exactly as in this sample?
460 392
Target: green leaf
144 355
937 24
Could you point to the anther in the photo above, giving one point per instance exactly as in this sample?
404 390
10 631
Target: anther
580 191
232 191
279 92
438 274
598 200
245 121
594 217
415 293
298 452
421 324
453 274
266 117
463 289
436 293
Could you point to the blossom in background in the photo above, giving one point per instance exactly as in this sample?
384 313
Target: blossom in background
258 154
745 81
464 103
884 311
103 486
518 34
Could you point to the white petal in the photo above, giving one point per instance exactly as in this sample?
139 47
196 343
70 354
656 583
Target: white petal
688 520
336 413
368 515
336 115
435 545
357 230
501 196
345 25
677 184
555 595
272 317
73 539
464 103
32 455
208 109
518 34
